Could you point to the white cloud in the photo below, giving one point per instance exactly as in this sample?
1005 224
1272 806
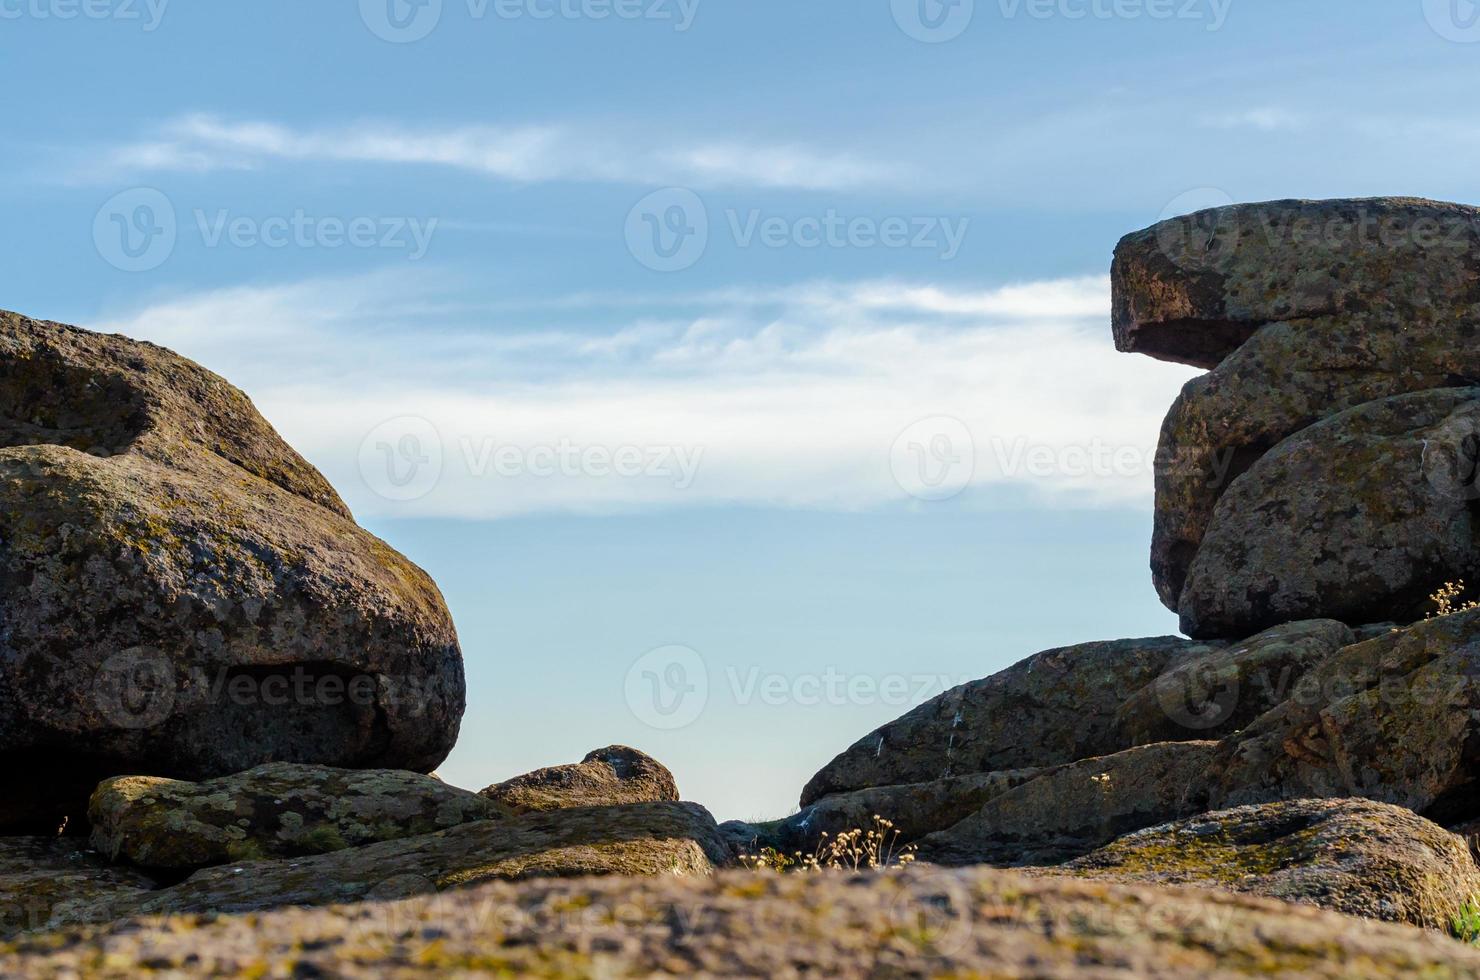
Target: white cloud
792 398
527 153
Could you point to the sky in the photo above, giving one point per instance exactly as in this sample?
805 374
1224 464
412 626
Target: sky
740 369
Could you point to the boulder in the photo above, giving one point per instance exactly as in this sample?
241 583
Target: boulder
1055 707
1195 288
46 882
611 776
640 839
1354 856
1395 718
1074 809
276 810
1078 702
1217 693
914 810
917 923
1320 328
185 596
1359 517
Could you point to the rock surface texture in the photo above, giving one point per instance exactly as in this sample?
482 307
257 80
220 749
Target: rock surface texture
919 923
1308 710
1354 856
277 810
642 839
1304 310
184 595
611 776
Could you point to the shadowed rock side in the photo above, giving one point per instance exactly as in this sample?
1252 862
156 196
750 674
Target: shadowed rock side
1192 289
1305 710
51 881
611 776
1357 517
1354 856
919 923
184 595
1337 303
1077 702
277 810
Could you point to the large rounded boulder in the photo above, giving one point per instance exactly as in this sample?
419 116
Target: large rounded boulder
183 594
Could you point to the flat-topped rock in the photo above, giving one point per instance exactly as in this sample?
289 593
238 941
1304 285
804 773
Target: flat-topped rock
919 923
1362 858
1194 288
276 810
611 776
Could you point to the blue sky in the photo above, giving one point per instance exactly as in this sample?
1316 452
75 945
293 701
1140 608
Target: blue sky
741 370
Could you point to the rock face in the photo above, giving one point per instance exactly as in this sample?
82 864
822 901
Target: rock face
1052 708
914 809
1305 710
1365 859
1076 808
1374 488
1304 310
1077 702
51 881
1194 288
184 595
277 810
913 924
612 776
641 839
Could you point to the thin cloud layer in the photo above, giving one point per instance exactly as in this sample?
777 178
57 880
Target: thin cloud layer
803 397
525 154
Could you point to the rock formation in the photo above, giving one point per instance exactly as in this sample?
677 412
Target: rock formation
277 810
1304 310
184 595
917 923
606 777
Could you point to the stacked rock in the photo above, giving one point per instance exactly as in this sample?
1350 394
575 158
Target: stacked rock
1325 466
1314 490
